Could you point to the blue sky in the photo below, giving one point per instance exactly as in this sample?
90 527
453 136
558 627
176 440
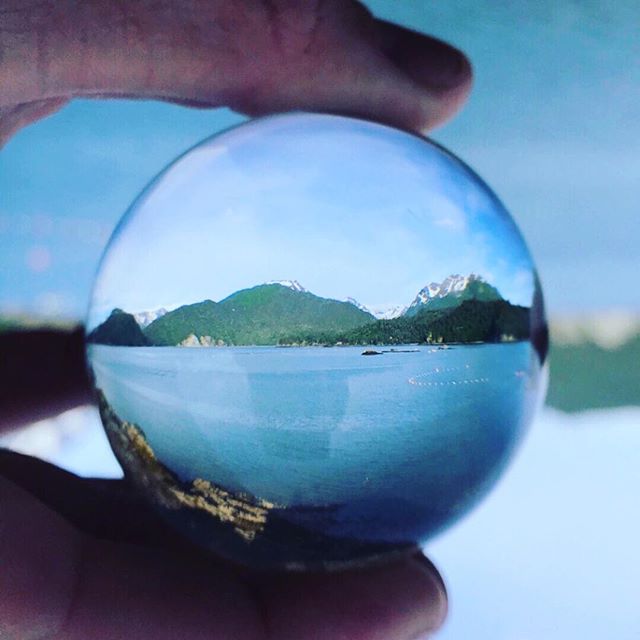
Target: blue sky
548 126
349 209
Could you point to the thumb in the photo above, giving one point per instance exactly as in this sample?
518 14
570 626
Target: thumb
253 56
335 56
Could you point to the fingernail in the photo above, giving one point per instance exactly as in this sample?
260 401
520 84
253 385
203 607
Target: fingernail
435 612
427 61
422 560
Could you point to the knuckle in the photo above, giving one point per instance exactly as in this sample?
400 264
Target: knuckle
297 26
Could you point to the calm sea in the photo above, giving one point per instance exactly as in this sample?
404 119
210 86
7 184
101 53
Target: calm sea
314 425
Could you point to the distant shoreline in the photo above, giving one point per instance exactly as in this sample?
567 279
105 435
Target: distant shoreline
387 348
289 316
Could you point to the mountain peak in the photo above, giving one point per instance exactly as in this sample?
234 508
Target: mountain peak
119 329
357 304
294 285
389 312
453 290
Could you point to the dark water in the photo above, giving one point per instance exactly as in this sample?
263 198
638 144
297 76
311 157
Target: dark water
401 437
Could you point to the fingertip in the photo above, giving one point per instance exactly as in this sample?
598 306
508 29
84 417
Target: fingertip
441 71
404 599
428 61
440 587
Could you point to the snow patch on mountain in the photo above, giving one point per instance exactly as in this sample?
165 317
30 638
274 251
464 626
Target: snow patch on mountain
290 284
388 313
380 312
359 305
451 284
145 318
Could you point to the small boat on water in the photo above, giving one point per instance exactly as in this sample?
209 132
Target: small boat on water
372 352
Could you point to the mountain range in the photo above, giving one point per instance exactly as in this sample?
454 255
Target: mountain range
460 309
261 315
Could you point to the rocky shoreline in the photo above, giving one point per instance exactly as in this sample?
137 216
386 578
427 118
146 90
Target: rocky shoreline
235 524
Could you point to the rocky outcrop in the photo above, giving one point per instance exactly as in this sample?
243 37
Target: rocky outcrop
245 513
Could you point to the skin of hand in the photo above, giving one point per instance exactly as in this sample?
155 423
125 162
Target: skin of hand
86 559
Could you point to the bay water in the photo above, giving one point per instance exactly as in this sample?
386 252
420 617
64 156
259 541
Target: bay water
313 425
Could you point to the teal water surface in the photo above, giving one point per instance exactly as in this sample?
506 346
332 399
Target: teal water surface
429 428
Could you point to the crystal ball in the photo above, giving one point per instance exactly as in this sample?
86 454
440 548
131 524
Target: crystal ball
315 341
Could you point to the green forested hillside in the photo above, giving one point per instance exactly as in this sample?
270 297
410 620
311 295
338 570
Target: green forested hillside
471 321
586 376
272 314
261 315
172 328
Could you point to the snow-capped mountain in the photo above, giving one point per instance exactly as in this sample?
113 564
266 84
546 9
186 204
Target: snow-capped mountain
380 313
360 306
440 290
388 313
145 318
453 290
290 284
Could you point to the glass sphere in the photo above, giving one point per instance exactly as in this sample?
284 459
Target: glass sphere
315 340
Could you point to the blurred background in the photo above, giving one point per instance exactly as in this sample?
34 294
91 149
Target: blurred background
553 125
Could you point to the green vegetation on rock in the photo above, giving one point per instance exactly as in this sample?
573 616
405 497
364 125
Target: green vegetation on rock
262 315
171 329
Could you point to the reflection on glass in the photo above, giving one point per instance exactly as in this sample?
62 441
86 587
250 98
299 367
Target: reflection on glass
356 407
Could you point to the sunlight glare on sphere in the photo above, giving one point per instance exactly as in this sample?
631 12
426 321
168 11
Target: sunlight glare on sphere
315 341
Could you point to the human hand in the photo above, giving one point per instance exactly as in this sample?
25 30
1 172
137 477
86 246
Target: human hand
84 558
255 56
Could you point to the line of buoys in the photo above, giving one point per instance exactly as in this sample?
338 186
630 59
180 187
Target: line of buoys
443 383
440 370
